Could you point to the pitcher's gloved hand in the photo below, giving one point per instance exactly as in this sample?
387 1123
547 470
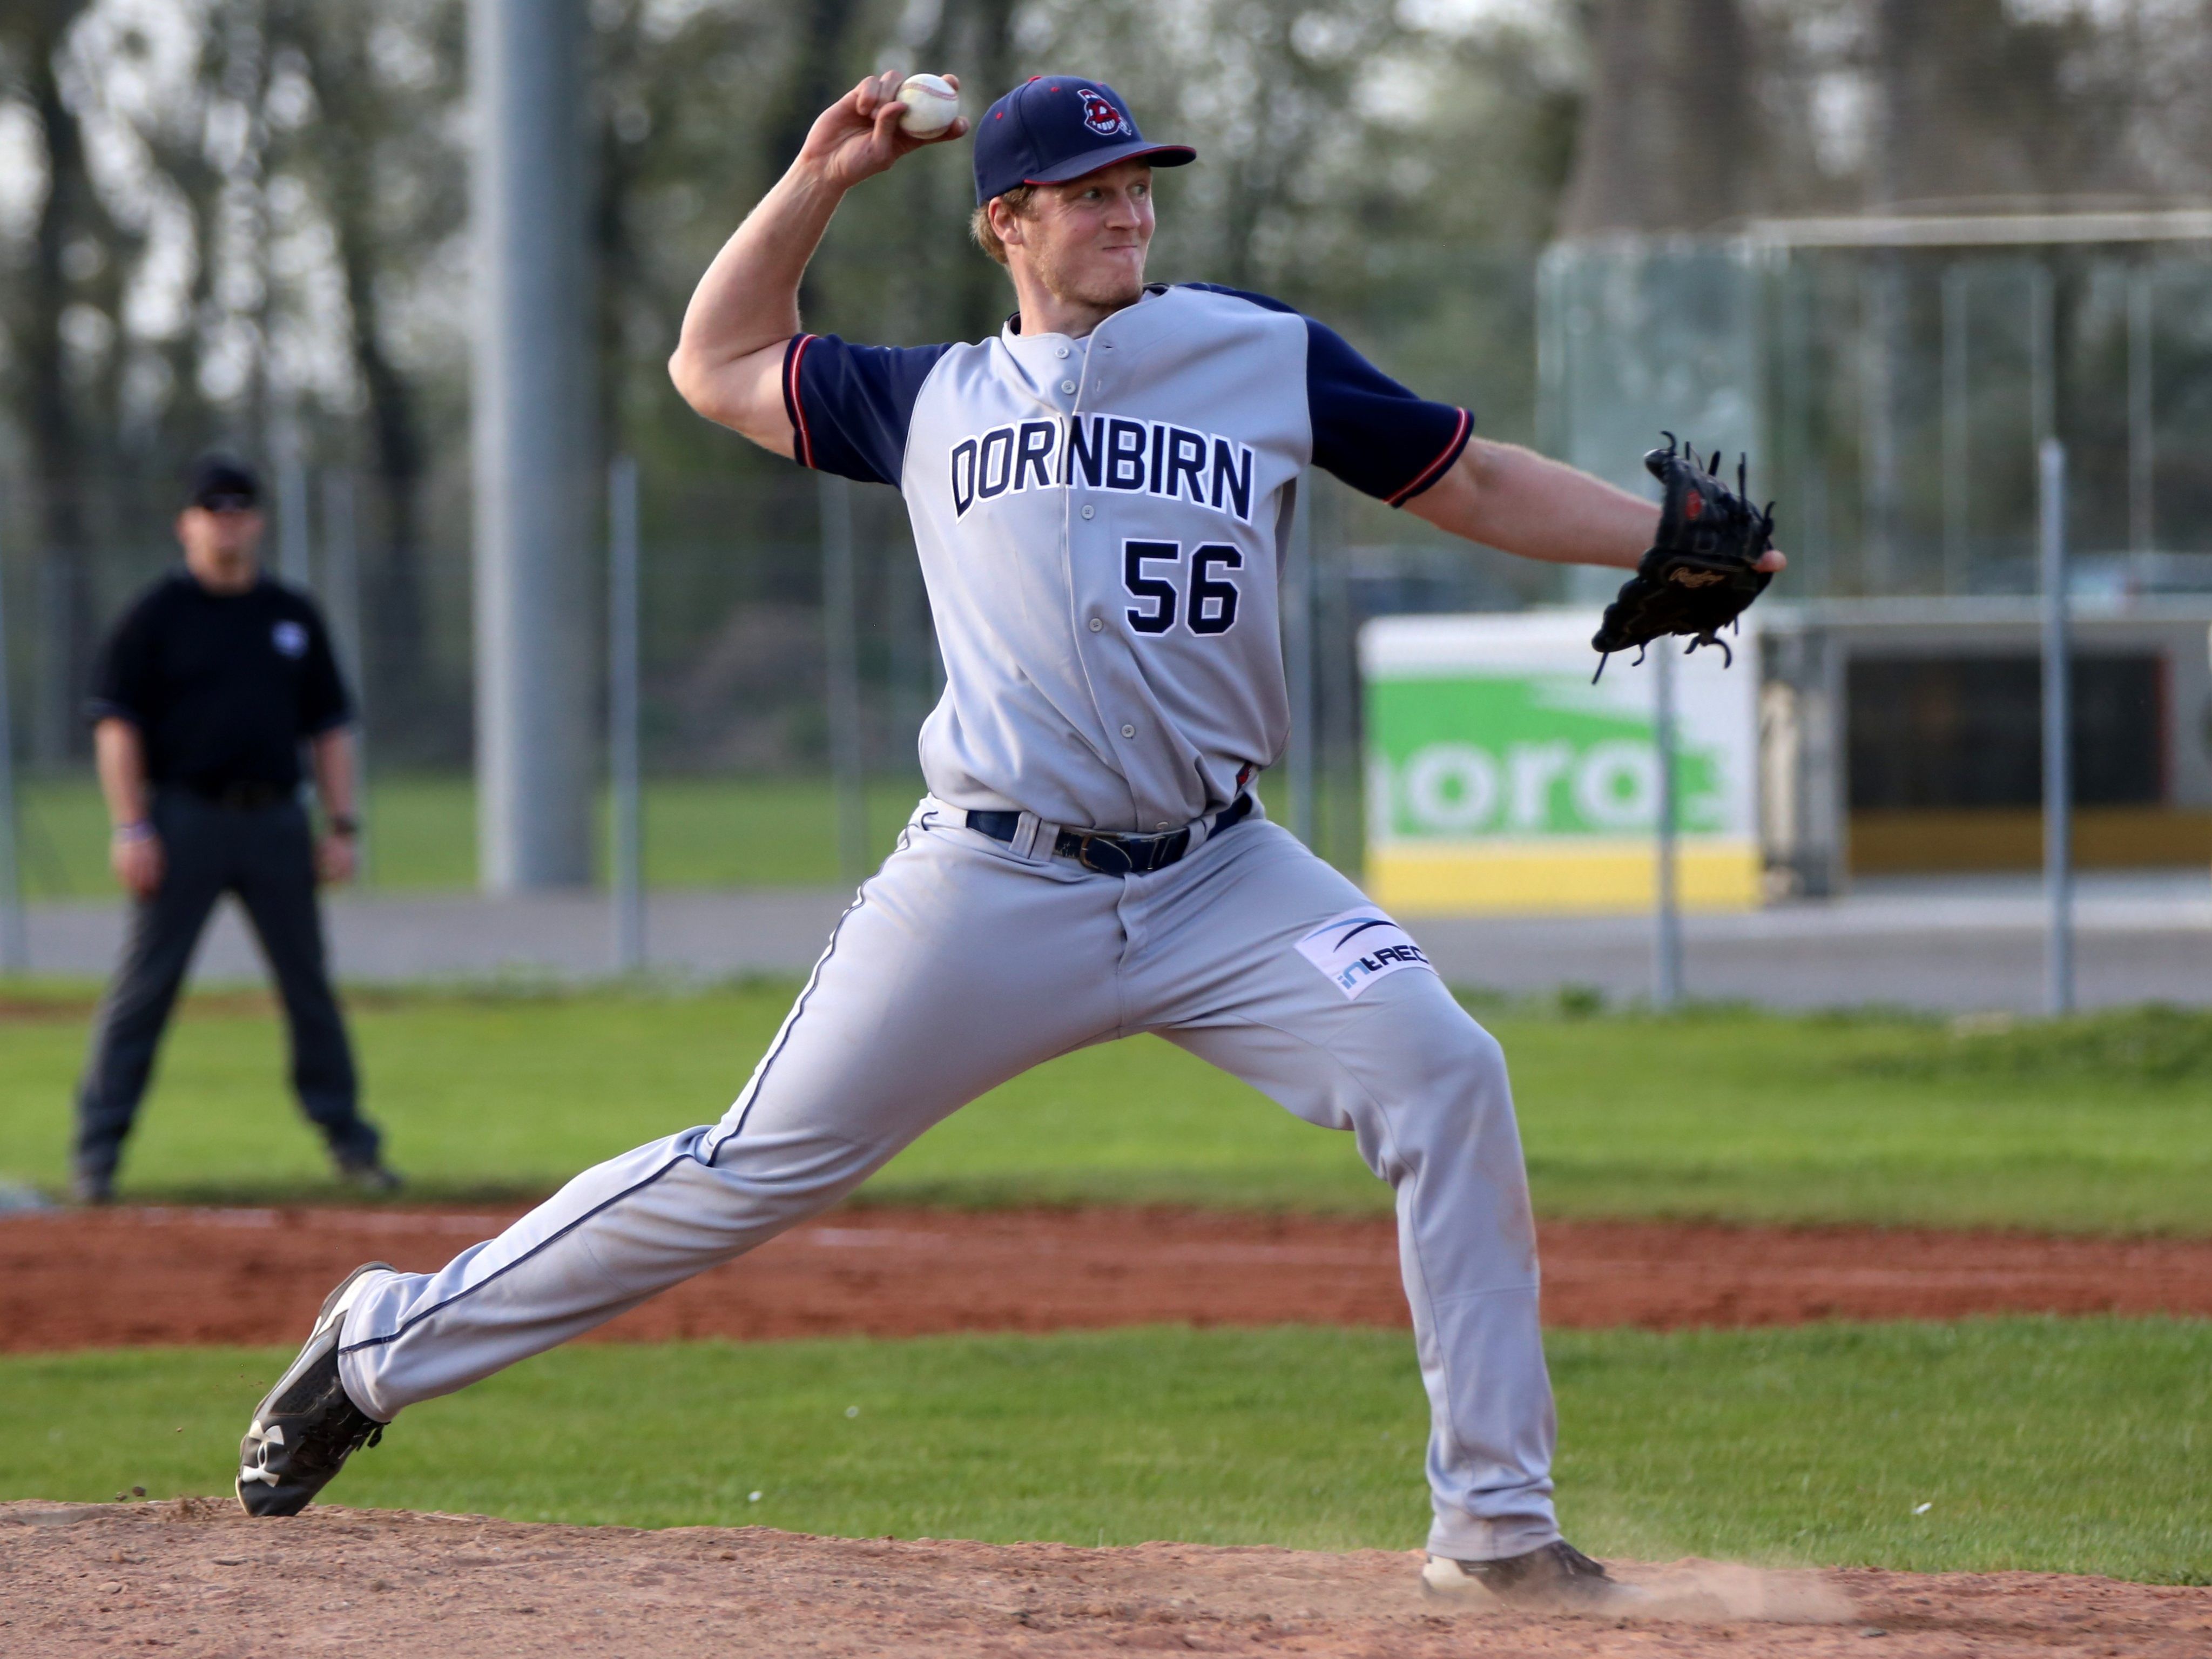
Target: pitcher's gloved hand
1702 571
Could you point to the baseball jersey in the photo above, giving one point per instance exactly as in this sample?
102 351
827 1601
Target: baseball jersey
1101 524
223 687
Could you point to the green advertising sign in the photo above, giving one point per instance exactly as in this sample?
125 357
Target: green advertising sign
1481 728
1529 756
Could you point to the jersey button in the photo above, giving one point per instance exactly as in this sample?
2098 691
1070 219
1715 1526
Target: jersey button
1089 512
1128 730
1096 622
1068 386
1060 351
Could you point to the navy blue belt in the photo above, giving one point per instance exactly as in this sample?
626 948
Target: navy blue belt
1114 855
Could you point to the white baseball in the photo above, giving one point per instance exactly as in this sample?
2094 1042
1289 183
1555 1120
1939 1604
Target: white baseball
931 103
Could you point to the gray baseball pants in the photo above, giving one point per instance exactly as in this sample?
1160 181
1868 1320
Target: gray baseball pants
965 962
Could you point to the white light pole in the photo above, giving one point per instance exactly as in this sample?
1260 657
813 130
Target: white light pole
535 473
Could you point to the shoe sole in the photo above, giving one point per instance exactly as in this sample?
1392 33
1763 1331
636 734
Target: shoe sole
1452 1585
332 1310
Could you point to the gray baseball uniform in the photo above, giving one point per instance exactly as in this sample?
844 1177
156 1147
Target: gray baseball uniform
1099 523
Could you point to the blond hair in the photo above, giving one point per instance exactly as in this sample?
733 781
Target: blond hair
979 223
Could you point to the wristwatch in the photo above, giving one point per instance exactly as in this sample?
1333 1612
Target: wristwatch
345 824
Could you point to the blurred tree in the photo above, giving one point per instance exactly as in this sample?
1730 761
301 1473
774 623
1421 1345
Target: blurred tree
236 208
68 271
1670 135
953 286
386 174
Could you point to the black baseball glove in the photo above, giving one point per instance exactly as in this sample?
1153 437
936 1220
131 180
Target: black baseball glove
1703 570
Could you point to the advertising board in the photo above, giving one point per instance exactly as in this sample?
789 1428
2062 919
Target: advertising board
1501 778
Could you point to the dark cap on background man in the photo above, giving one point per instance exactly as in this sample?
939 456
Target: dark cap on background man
223 484
1053 128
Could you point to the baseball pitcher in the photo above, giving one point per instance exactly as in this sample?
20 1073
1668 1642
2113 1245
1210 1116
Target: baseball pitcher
1101 494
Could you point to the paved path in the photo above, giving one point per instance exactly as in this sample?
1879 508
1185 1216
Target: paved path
1961 943
1949 945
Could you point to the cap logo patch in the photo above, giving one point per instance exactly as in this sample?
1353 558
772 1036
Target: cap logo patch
1099 114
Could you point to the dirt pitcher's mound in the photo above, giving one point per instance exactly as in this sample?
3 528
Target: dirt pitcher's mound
196 1578
132 1276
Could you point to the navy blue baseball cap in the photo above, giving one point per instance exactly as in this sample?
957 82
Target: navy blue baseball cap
1053 128
223 484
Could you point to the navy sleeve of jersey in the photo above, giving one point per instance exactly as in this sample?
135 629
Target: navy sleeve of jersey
850 405
1371 431
1367 429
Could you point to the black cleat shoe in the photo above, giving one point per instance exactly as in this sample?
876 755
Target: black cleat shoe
92 1188
372 1179
305 1427
1557 1578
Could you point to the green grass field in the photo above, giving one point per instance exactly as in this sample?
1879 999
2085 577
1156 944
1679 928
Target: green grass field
2074 1446
752 831
699 832
1734 1115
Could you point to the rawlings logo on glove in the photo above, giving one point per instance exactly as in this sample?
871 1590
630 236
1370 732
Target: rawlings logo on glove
1702 572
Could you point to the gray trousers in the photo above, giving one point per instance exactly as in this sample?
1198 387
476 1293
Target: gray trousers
266 856
965 962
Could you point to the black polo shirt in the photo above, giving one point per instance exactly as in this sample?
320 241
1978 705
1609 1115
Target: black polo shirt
224 687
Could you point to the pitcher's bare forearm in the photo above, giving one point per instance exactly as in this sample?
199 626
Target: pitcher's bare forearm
1524 503
745 309
728 363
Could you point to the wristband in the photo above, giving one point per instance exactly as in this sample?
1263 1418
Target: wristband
345 824
136 830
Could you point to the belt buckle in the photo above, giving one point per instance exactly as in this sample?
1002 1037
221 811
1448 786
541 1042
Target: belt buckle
1116 862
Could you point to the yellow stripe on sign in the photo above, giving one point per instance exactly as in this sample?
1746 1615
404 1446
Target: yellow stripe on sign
1593 878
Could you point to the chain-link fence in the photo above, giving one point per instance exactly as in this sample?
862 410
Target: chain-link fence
735 715
1892 392
734 669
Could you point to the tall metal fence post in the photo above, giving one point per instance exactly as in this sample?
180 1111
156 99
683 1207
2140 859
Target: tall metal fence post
624 777
14 943
292 544
1667 932
840 629
2143 429
2042 354
1958 411
1298 590
2057 736
342 593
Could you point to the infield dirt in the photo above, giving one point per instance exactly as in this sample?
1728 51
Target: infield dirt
195 1578
133 1276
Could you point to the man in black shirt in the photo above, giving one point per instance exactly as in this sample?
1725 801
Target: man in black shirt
204 696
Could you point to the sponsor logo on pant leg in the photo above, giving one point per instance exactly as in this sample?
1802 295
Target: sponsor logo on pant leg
1354 950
